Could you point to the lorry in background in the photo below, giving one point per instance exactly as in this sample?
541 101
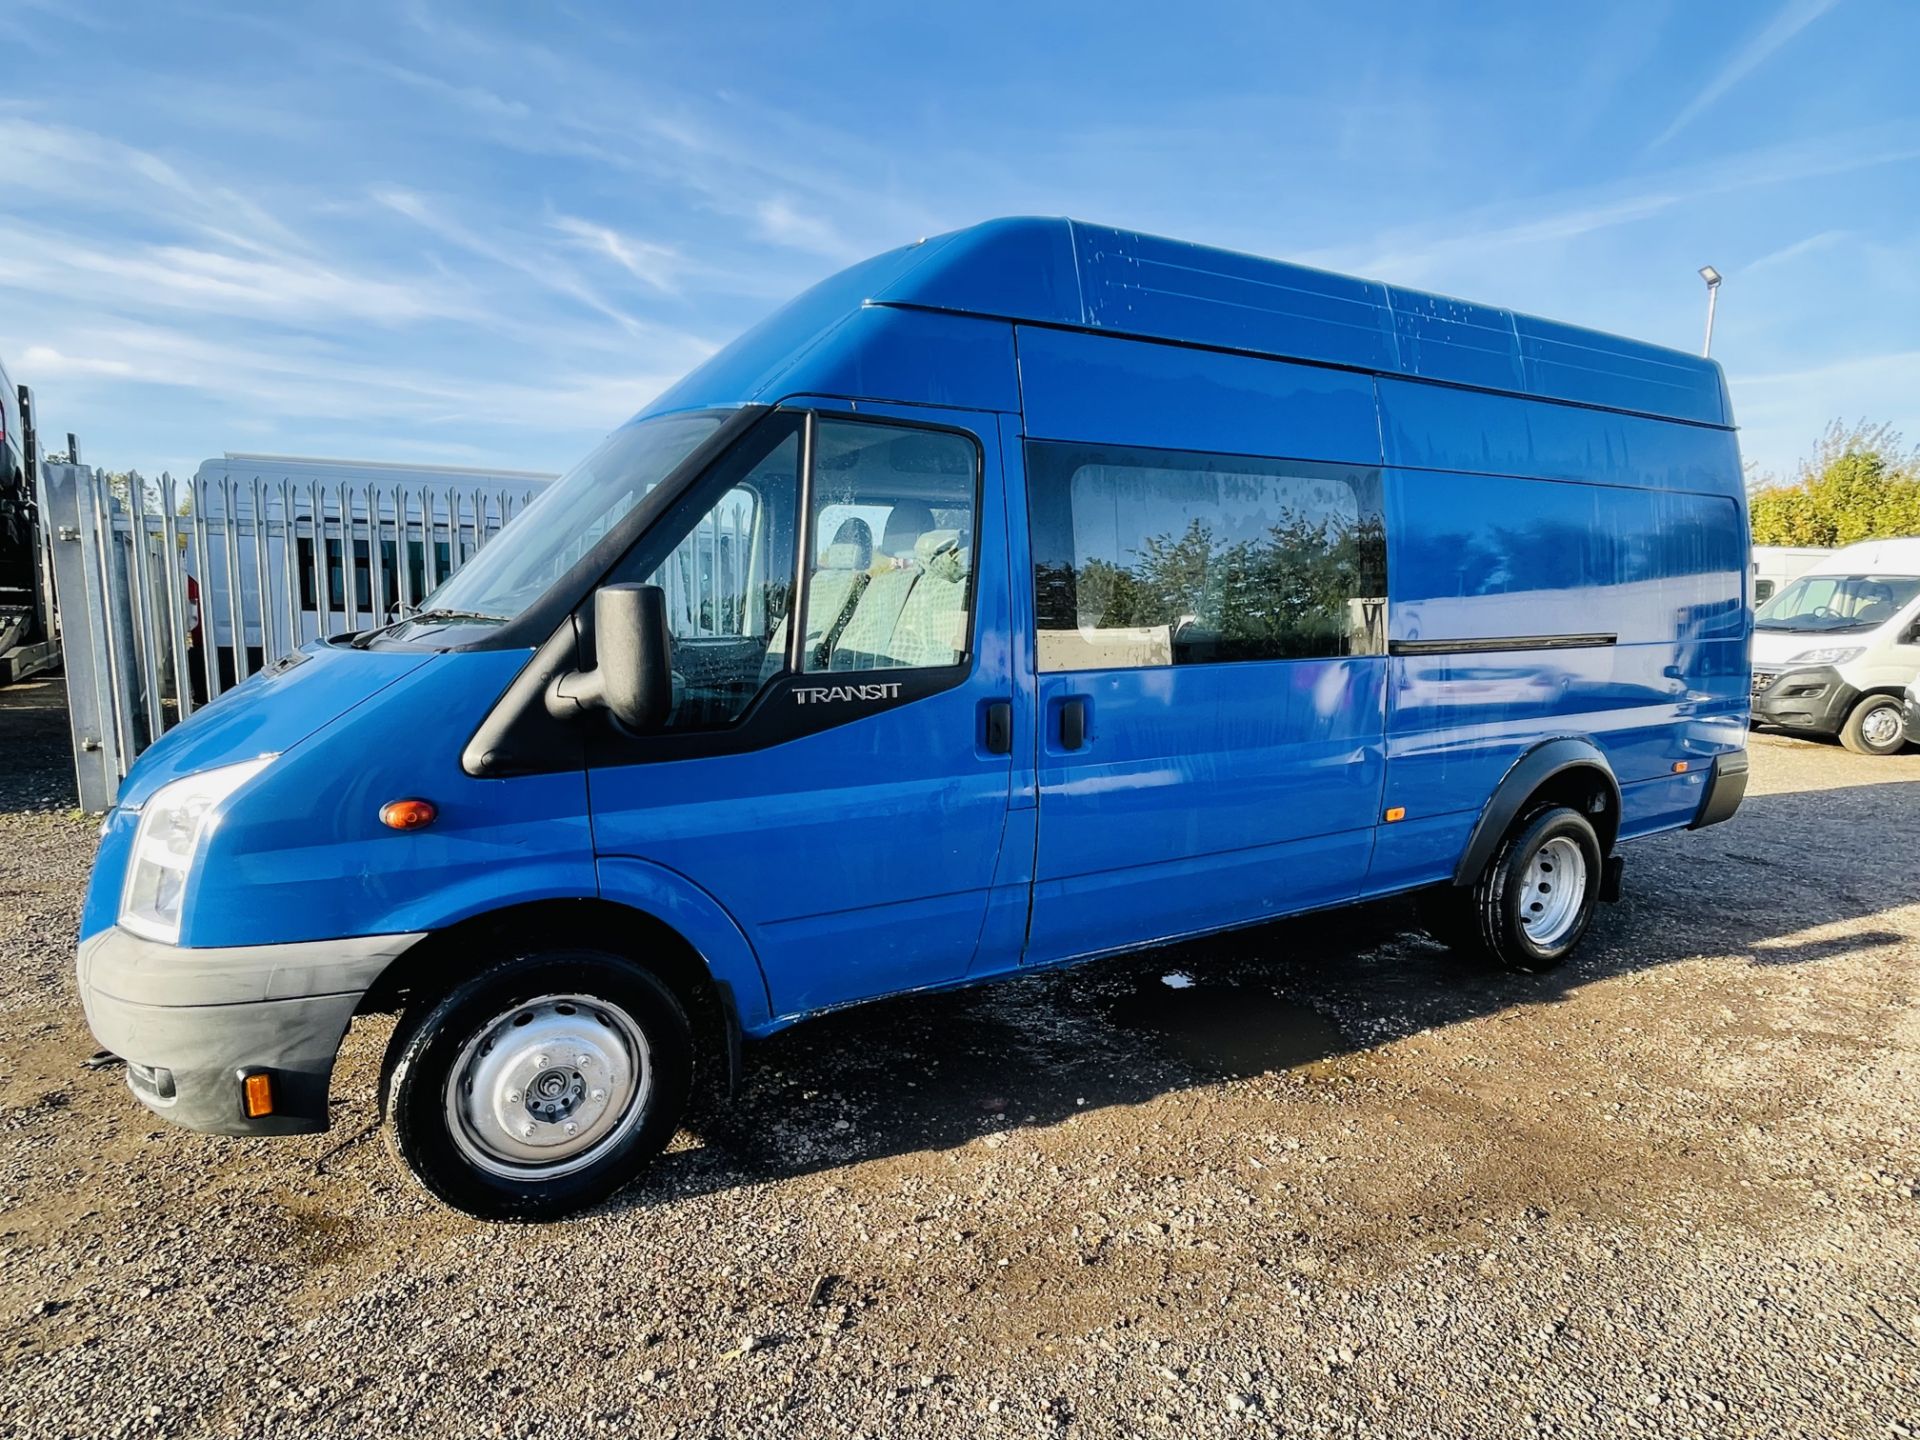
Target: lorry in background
27 643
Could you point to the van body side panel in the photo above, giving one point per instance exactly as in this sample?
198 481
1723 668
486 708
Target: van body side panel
1212 794
1441 427
861 859
1617 544
305 857
1077 386
701 921
1203 796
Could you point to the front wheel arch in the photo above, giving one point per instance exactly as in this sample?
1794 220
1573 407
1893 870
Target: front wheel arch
415 981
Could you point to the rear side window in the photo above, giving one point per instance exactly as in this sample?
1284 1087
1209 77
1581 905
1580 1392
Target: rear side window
1153 557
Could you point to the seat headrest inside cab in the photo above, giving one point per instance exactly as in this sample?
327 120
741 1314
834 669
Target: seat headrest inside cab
944 553
852 546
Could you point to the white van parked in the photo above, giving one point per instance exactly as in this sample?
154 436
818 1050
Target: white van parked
1834 652
1775 565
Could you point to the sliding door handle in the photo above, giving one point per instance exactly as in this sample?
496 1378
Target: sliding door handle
999 727
1073 722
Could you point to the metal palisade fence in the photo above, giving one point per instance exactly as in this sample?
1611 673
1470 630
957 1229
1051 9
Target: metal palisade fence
173 592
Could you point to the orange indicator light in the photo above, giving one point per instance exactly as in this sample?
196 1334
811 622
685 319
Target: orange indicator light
1679 767
257 1092
1398 812
407 814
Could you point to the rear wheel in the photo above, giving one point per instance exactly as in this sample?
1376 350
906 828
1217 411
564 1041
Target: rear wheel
541 1085
1875 727
1530 907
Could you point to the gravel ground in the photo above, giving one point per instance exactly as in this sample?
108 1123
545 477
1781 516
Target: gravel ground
1339 1184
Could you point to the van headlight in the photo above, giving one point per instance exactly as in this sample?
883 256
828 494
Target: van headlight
173 822
1832 655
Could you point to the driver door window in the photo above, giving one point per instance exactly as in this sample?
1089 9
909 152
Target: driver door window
890 586
729 583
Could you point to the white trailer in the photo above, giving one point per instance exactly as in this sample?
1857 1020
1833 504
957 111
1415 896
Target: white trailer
345 543
1775 565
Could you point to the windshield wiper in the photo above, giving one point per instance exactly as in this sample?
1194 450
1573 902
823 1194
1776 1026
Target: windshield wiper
430 617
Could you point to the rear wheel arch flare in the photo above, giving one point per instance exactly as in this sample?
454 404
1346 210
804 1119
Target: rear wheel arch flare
1568 771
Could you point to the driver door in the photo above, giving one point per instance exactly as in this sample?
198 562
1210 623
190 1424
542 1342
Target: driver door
836 769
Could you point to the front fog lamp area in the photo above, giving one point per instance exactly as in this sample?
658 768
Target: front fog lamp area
173 823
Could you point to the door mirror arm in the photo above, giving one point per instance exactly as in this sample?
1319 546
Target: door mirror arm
632 678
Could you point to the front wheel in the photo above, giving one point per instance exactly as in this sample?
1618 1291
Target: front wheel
1875 727
541 1085
1532 904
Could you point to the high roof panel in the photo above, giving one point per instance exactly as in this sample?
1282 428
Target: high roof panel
1062 272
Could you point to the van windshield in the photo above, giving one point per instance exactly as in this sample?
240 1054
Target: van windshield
565 520
1833 604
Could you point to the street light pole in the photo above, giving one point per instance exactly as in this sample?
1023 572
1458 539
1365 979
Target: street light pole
1712 277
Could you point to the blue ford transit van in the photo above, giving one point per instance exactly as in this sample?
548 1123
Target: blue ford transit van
1027 594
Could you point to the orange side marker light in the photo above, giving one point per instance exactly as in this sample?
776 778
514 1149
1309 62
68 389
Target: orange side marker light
407 814
1398 812
1679 767
256 1089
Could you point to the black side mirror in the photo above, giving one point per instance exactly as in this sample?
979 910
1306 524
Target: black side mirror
632 678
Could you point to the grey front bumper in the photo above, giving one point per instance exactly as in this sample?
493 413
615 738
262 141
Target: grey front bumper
190 1022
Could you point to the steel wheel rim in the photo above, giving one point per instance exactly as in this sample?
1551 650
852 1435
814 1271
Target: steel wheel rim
546 1088
1879 725
1555 889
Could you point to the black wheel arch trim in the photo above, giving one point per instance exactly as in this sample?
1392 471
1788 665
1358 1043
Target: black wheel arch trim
587 921
1526 775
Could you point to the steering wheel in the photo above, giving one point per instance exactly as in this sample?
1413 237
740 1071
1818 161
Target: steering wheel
1824 612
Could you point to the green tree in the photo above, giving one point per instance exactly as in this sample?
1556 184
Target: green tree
1862 483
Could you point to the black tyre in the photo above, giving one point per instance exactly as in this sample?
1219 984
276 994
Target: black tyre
539 1086
1532 904
1875 727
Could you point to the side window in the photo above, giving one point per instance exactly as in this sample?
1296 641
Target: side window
1152 557
729 582
1762 591
891 583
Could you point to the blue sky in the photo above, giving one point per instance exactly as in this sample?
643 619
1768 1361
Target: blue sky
487 234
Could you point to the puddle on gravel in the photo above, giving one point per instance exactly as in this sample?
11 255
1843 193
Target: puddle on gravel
1231 1028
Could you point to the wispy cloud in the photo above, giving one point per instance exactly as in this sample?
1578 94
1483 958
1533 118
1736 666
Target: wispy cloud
651 264
44 360
1788 21
310 380
537 268
1824 240
1552 219
785 223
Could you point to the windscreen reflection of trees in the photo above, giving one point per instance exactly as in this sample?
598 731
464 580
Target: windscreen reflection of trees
1283 595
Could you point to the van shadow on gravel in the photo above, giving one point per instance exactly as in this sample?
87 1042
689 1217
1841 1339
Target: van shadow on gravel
935 1071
